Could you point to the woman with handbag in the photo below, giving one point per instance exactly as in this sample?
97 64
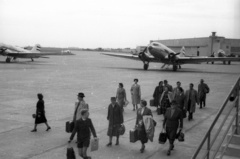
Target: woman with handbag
142 135
40 114
173 121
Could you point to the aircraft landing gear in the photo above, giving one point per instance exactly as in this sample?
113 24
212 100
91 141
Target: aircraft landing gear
8 59
146 65
175 67
179 67
32 59
229 62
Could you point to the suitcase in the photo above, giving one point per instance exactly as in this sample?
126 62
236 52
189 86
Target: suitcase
151 102
69 126
94 144
162 137
159 111
133 135
70 153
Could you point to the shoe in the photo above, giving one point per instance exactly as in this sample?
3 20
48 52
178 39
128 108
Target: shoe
34 130
109 144
168 152
48 128
142 149
200 108
117 143
172 147
133 109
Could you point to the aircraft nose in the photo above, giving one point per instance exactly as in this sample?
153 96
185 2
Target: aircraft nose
150 48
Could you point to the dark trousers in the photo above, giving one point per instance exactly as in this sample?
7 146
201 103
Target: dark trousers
190 114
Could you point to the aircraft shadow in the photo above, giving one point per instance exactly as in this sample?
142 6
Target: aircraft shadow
27 63
185 70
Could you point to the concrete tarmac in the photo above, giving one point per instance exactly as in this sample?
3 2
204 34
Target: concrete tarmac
61 78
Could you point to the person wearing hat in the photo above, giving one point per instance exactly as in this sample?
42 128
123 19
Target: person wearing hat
115 118
79 106
173 121
136 94
40 113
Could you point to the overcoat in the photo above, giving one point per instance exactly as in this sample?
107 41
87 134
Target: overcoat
179 98
157 95
136 93
203 89
115 118
121 96
40 113
79 106
194 99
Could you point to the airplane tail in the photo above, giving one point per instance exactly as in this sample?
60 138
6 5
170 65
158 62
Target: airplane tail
182 52
36 48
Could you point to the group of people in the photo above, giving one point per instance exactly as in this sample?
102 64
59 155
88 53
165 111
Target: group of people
164 94
171 101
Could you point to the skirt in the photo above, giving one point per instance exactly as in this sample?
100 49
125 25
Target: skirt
113 130
40 119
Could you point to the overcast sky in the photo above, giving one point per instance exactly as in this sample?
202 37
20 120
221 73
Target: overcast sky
114 23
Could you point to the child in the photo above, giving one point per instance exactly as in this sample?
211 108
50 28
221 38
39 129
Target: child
84 127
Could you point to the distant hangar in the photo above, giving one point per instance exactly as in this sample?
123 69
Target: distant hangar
204 46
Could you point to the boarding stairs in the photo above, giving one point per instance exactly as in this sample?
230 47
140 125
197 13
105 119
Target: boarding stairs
222 140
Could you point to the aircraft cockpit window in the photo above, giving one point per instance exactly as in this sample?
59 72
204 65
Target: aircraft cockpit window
155 44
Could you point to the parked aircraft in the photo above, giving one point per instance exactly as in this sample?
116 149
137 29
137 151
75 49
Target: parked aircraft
157 52
14 52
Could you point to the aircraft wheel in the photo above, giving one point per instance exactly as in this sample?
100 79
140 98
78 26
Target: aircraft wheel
179 66
175 67
145 66
229 62
8 60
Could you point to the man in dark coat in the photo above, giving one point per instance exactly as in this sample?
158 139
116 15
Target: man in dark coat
115 118
203 89
172 121
142 135
170 88
157 93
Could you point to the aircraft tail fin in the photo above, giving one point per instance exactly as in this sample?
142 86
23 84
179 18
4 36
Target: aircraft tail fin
182 51
36 48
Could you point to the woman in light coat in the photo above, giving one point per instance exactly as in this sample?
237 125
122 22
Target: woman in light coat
136 94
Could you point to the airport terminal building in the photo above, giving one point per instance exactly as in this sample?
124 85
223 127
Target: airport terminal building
204 46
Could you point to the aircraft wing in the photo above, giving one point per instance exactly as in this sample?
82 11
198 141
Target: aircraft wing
34 55
192 60
131 56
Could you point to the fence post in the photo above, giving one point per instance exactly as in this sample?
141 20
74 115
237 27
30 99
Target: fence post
237 107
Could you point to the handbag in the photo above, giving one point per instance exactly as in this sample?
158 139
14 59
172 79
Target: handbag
121 130
34 116
162 137
94 144
70 153
180 136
